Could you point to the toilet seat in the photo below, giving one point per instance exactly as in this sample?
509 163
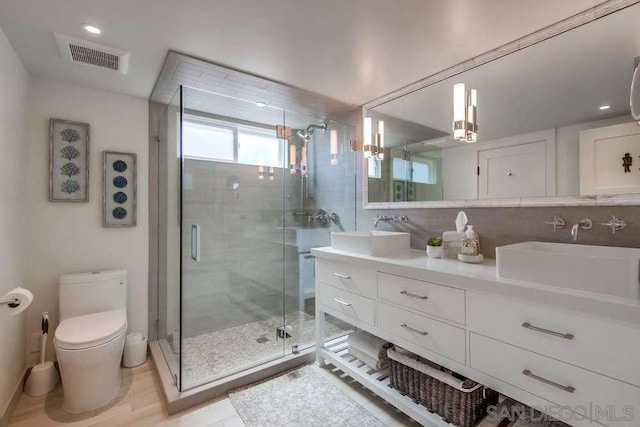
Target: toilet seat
91 330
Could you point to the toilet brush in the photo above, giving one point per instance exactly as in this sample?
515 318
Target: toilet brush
43 377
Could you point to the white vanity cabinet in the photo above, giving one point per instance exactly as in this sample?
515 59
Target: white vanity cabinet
578 366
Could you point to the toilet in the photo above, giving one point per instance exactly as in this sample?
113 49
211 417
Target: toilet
90 337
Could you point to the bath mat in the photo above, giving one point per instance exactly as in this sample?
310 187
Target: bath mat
302 397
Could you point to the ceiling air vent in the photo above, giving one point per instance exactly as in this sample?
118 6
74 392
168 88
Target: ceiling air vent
84 52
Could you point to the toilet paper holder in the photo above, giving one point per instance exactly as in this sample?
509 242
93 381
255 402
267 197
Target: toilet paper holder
13 302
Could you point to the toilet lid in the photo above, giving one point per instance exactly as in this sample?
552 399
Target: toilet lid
90 330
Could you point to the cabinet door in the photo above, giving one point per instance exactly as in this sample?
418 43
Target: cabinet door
602 151
517 171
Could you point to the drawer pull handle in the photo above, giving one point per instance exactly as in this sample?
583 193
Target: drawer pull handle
547 331
404 325
409 294
346 304
342 276
566 388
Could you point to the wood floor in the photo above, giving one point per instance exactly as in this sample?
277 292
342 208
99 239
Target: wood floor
138 404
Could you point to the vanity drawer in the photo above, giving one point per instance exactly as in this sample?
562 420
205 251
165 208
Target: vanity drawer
433 335
437 300
347 303
347 276
610 348
561 383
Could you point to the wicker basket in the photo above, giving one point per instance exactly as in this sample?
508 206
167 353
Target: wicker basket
438 391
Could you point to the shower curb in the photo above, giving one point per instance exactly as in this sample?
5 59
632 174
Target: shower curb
176 401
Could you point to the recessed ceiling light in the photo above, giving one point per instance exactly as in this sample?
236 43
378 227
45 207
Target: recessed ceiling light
260 104
605 107
91 29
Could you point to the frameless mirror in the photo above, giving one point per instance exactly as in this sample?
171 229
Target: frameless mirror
553 120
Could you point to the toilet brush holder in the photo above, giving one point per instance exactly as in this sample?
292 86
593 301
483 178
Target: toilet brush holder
43 378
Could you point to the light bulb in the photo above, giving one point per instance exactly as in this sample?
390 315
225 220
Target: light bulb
92 29
333 146
292 159
459 110
367 137
303 161
380 144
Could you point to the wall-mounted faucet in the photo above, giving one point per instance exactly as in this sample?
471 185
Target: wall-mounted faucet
585 224
616 224
558 222
323 217
386 218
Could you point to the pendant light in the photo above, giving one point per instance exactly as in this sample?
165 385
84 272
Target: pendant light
465 122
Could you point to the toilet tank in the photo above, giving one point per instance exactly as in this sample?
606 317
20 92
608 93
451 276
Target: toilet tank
87 293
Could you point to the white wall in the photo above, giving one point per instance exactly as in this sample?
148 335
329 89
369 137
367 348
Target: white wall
568 153
69 237
459 165
13 115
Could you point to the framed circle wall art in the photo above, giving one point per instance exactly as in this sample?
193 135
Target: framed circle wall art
119 189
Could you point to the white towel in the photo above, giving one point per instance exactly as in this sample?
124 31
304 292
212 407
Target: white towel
374 347
378 365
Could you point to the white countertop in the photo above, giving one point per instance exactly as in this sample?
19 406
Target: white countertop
483 278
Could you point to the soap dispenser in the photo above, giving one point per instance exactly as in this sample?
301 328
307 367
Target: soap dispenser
471 242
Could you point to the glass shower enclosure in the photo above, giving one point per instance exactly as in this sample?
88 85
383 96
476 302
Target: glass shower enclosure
245 191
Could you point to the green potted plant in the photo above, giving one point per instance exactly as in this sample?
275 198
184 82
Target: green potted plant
434 247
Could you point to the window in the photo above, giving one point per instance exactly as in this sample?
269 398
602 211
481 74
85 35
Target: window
208 139
422 171
259 147
201 140
374 169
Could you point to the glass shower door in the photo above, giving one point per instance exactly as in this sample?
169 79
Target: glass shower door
319 199
232 256
168 326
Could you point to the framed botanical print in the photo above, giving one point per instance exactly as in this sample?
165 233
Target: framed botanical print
68 161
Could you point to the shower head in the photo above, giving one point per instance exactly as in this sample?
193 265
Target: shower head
322 128
305 134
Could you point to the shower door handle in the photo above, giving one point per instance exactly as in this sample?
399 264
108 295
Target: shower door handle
195 242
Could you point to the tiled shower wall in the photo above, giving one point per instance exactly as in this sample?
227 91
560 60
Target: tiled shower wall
239 278
334 186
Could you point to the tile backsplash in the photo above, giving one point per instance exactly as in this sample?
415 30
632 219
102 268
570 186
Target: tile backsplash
504 226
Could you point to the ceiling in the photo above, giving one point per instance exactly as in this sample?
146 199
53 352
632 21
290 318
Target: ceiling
558 82
351 50
222 91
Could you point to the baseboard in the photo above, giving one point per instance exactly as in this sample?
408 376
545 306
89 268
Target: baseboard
8 412
176 401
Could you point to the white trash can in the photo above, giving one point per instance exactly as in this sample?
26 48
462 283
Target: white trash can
135 350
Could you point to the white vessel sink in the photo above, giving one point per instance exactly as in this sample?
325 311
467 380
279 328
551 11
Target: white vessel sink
600 269
375 243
